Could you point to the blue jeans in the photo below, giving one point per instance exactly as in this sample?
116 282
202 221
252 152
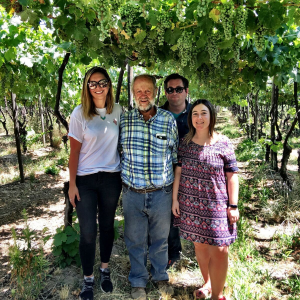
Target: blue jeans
100 190
147 226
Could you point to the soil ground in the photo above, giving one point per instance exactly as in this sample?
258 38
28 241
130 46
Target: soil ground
44 200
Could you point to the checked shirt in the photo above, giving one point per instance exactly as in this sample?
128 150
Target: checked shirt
149 149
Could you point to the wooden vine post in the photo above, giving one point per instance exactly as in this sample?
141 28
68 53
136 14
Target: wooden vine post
17 135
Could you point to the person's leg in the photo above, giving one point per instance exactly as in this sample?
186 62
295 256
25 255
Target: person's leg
174 244
86 211
203 256
136 236
218 266
158 206
109 188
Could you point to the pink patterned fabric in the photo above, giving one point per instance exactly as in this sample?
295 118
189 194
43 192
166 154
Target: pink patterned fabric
202 194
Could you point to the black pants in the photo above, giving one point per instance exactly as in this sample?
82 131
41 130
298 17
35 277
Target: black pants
101 190
174 245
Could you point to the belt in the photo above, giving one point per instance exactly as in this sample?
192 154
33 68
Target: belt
142 191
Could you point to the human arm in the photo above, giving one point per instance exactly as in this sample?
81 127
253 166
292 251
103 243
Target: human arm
175 203
73 165
233 194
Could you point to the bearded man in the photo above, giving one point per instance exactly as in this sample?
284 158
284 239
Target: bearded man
149 140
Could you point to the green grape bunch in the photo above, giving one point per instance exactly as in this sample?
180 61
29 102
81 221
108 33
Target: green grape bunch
241 16
236 50
259 40
163 23
185 47
202 7
227 14
79 46
180 10
212 48
130 13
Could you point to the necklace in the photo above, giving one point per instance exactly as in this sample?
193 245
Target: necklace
103 118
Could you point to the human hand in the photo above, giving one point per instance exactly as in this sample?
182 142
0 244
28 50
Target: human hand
73 193
175 208
233 215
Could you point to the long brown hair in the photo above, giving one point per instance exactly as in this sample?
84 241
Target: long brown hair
88 106
188 137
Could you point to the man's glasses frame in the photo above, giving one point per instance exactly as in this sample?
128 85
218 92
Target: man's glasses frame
178 90
103 83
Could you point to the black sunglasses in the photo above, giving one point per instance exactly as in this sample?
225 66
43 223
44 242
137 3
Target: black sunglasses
102 84
178 90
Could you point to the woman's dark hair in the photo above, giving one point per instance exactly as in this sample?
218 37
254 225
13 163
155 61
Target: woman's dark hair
88 106
212 122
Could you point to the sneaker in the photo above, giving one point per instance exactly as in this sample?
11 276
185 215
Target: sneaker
138 293
87 292
165 288
172 263
105 282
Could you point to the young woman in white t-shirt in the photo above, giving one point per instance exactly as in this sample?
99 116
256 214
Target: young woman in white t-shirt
95 173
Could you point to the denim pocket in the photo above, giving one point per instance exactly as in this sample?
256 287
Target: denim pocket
125 190
168 189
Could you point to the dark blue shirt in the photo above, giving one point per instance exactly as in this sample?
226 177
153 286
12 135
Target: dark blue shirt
181 121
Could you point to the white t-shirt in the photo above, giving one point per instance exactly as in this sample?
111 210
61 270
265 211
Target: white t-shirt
99 139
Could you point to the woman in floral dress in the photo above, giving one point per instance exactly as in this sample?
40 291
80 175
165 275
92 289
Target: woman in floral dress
205 196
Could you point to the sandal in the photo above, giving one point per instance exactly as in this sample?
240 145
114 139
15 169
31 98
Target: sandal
202 293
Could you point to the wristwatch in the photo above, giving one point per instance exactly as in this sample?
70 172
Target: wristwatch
233 206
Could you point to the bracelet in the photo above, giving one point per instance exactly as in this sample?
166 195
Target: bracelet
233 206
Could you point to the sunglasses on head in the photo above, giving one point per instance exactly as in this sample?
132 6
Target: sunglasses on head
102 84
178 90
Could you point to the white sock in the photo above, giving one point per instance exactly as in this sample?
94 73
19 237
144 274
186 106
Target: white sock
89 278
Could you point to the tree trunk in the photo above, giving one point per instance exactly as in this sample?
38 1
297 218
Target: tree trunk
42 119
129 80
58 94
4 121
49 124
256 117
17 136
274 117
120 81
287 149
158 95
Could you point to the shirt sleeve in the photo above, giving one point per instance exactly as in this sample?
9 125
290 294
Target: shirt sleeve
76 126
230 163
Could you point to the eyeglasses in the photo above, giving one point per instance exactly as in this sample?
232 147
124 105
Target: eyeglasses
178 90
102 84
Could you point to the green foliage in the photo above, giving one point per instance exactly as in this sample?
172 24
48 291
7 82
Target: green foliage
231 131
248 150
28 263
52 170
63 161
66 245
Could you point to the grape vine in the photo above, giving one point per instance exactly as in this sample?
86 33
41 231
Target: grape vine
185 47
227 14
241 16
164 23
259 40
180 10
202 7
130 13
213 49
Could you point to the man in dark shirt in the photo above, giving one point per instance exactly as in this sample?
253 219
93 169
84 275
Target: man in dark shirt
176 90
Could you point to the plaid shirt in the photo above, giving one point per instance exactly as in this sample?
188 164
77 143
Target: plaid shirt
149 149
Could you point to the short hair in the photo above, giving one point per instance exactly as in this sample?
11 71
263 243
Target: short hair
88 106
147 76
213 117
176 76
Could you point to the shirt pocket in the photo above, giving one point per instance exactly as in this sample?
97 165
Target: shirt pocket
158 146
